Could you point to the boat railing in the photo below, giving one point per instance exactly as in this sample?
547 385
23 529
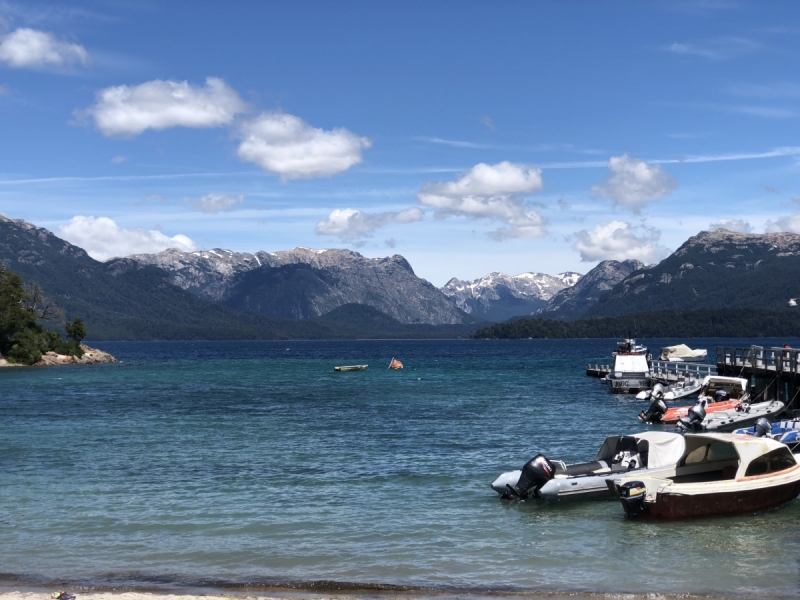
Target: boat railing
671 370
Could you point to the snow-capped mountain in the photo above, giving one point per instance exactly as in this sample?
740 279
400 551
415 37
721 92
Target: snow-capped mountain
499 297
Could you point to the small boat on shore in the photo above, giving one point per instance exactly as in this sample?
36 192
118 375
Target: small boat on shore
395 365
718 393
619 455
351 368
718 474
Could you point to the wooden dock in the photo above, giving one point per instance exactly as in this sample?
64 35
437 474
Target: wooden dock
774 373
662 371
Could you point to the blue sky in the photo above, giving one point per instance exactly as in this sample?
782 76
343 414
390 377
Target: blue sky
467 136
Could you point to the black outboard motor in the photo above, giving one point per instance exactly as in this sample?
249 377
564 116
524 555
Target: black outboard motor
632 495
655 413
721 396
762 427
694 420
536 472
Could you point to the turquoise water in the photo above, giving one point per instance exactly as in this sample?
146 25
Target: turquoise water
254 463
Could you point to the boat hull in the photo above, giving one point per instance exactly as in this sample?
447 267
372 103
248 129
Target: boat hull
673 415
689 506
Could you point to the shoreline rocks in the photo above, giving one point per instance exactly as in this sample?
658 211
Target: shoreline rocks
91 356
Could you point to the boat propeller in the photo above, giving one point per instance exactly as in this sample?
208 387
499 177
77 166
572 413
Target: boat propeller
693 421
536 472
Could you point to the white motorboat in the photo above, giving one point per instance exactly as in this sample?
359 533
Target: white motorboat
744 415
629 346
682 353
351 368
619 455
629 374
718 393
718 474
683 388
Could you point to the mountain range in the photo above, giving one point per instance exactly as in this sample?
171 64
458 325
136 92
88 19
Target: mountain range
499 297
305 293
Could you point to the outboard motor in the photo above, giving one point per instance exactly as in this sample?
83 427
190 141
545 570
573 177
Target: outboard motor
658 391
536 472
655 413
721 396
762 427
694 420
632 495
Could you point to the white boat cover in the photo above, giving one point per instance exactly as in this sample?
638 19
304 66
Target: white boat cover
681 351
630 363
663 449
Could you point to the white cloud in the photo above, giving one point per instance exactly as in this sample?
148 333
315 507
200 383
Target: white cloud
633 183
493 192
119 159
129 110
102 238
290 147
33 49
737 225
790 224
717 49
619 240
349 224
214 203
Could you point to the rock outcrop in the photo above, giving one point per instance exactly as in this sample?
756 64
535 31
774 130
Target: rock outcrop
91 356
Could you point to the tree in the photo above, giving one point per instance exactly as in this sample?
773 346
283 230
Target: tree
39 305
76 330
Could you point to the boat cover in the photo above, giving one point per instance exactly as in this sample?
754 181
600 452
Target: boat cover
680 351
630 363
663 448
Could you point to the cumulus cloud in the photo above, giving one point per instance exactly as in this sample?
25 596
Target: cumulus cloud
129 110
32 49
737 225
633 183
288 146
619 240
790 224
349 224
214 203
102 238
492 192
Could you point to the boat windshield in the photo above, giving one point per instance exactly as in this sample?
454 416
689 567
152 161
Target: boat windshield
779 459
732 388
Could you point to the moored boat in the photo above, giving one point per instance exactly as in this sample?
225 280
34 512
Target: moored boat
787 432
730 419
718 474
718 393
350 368
683 388
629 374
619 455
682 353
629 346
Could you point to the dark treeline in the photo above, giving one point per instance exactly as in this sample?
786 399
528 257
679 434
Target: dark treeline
730 322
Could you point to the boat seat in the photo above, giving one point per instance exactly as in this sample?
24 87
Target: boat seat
585 468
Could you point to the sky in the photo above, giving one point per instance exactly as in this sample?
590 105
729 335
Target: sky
469 137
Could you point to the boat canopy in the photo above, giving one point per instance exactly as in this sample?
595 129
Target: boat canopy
630 363
662 448
725 446
734 386
680 351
